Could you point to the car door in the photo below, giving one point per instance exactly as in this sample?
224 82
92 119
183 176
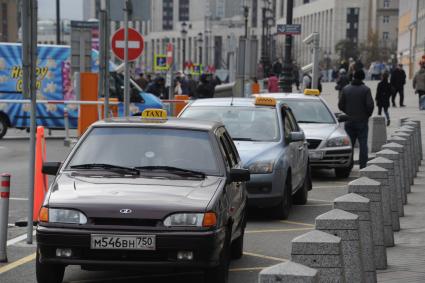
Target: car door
291 149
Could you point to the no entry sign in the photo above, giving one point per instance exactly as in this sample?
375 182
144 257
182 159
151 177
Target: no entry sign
135 44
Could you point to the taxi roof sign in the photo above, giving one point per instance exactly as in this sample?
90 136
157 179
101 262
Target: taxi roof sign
156 115
309 91
265 101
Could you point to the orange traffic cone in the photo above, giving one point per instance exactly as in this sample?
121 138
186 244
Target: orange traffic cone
40 180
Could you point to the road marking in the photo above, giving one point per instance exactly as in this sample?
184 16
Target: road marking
308 205
319 200
17 263
297 223
277 230
265 256
18 239
246 269
24 199
330 186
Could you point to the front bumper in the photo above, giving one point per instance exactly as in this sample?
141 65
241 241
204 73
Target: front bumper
205 245
337 157
265 190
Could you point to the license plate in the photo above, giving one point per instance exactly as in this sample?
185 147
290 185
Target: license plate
122 242
315 155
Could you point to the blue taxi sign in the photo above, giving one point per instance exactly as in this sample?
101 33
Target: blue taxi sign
155 115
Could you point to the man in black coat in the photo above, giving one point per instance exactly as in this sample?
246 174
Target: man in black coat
398 80
357 102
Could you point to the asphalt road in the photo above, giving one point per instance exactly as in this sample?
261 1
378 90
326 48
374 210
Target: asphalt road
267 242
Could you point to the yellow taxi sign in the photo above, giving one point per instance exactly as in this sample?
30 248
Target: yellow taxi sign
309 91
154 114
265 101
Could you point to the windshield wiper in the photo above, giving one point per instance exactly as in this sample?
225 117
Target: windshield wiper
127 170
172 169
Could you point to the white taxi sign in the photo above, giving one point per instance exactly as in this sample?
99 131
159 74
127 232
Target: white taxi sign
265 101
154 115
314 92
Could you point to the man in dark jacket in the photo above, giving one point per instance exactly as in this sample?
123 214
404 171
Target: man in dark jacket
204 88
398 80
357 102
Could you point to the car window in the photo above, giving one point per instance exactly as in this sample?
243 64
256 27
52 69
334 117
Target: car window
292 121
242 123
232 147
310 111
137 146
287 127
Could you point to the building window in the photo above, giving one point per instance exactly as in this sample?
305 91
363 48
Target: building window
167 20
386 19
352 24
254 13
4 20
282 8
385 35
306 1
184 10
386 3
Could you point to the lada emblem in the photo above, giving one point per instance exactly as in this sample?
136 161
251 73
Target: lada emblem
125 211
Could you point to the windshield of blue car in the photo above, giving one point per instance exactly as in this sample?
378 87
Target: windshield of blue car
310 111
243 123
138 147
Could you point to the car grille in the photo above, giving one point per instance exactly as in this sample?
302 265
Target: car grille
313 143
125 222
334 157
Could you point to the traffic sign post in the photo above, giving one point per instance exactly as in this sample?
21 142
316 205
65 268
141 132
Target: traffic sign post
136 44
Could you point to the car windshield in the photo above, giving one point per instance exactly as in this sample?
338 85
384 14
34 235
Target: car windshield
149 148
310 111
243 123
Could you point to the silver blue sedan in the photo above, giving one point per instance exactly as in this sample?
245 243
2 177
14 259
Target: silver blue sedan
271 145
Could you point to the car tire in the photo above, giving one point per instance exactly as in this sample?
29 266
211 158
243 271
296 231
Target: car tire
220 273
236 249
47 272
301 196
3 126
281 211
343 172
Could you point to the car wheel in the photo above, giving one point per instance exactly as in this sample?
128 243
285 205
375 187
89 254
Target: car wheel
3 126
301 195
281 211
220 273
47 272
237 245
343 172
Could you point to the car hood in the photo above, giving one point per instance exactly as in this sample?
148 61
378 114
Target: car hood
319 131
147 198
253 151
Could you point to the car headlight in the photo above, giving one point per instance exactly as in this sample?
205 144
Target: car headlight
261 167
338 141
208 219
57 215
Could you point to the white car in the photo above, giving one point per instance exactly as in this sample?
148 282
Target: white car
328 143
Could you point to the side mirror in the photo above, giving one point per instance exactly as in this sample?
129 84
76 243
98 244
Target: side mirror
51 168
342 118
239 175
296 137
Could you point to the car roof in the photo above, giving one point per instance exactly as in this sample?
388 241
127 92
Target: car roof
290 96
174 123
227 101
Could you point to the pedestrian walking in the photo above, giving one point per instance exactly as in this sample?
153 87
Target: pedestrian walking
419 84
357 102
255 86
142 81
398 80
204 88
277 68
273 84
192 85
383 95
296 75
341 82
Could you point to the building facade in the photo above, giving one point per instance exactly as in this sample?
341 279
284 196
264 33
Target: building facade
9 20
411 34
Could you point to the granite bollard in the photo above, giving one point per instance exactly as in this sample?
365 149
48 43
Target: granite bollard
371 189
345 225
408 155
404 162
415 150
378 133
418 146
396 181
321 251
409 136
389 185
359 205
288 272
380 174
418 124
401 172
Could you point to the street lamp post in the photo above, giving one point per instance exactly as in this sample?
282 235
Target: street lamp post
246 14
287 65
200 42
267 22
184 34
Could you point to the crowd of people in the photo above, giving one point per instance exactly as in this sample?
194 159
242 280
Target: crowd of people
202 86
